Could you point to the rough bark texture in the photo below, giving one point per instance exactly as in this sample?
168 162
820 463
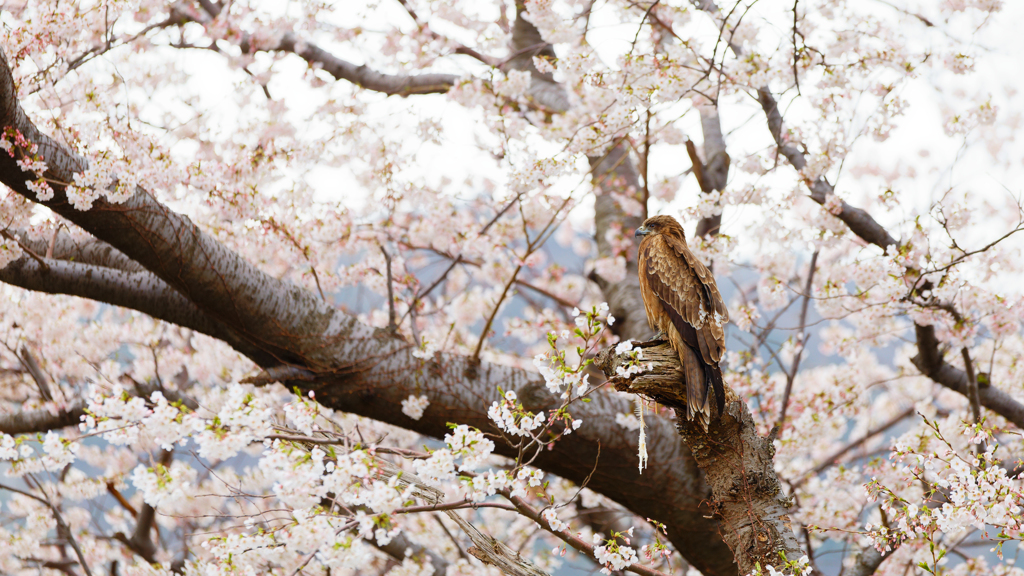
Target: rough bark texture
356 368
141 291
737 462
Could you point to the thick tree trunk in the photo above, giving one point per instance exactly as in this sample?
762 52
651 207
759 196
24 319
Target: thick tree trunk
737 462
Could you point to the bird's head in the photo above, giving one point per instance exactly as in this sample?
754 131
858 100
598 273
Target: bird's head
661 225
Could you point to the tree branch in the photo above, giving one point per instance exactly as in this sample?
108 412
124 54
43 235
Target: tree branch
714 172
565 535
141 541
63 530
29 421
32 367
141 291
868 562
700 541
363 76
486 548
930 362
834 457
87 251
397 547
929 359
45 419
527 43
791 375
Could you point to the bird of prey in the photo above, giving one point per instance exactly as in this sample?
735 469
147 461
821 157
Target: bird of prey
682 302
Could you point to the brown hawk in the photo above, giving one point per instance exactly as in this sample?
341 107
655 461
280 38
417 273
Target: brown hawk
682 302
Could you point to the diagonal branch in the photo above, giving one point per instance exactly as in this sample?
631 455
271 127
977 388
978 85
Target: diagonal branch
28 421
36 371
566 535
141 291
62 246
930 359
802 342
486 548
859 221
63 530
930 362
833 458
360 75
363 76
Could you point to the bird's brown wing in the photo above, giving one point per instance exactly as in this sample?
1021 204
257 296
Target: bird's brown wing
686 287
681 303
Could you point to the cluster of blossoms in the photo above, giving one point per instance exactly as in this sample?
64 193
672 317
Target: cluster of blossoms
962 491
15 144
799 567
563 373
160 484
510 416
302 413
413 406
614 555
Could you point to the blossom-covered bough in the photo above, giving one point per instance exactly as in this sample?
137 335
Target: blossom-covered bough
217 362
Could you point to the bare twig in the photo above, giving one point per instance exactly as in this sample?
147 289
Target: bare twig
972 392
392 326
801 344
62 527
29 251
28 360
796 53
494 313
53 240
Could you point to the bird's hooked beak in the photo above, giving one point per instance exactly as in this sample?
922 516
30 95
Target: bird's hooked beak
641 231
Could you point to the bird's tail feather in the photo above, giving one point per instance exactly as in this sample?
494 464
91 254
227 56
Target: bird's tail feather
697 376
